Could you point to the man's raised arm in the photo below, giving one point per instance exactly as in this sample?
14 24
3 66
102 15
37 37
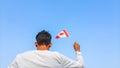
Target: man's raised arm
68 63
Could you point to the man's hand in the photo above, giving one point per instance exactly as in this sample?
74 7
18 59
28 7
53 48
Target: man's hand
76 46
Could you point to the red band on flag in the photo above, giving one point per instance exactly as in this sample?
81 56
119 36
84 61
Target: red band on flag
57 37
66 33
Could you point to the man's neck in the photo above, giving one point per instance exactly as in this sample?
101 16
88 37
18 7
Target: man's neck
42 47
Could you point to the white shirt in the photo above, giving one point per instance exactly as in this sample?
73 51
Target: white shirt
45 59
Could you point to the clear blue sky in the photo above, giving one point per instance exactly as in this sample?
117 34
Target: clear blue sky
95 24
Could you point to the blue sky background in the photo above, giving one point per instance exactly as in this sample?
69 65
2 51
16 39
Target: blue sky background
95 24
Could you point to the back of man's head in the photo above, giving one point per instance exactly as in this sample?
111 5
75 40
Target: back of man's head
43 37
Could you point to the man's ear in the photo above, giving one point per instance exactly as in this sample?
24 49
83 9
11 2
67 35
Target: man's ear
50 44
36 44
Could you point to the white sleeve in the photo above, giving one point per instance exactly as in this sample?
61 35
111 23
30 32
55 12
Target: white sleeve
68 63
13 64
80 57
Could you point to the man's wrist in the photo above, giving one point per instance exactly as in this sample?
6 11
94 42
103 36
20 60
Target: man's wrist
78 52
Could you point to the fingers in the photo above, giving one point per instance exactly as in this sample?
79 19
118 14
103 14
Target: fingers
76 46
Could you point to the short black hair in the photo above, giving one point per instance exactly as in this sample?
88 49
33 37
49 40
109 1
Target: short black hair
43 37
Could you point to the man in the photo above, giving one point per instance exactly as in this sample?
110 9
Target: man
43 58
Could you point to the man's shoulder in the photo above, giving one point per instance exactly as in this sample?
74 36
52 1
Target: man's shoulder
57 54
26 52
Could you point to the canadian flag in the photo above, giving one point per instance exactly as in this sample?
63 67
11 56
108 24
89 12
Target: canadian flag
63 33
